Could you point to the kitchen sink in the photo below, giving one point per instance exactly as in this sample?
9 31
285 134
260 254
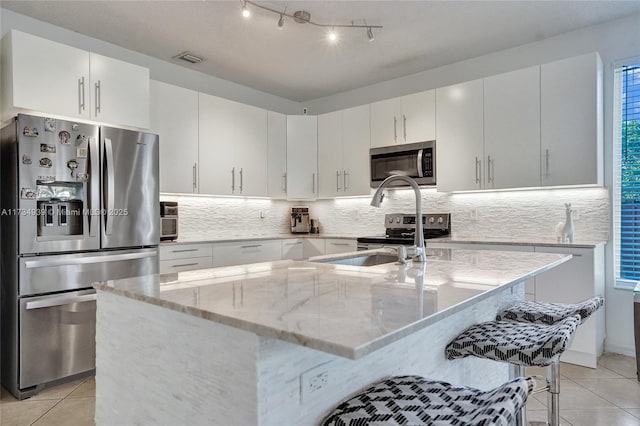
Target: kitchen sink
360 260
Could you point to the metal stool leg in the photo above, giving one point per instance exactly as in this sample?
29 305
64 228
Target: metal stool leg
518 371
553 394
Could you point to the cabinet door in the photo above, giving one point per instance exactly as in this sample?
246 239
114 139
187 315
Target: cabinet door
174 117
217 118
355 147
386 125
313 247
119 92
419 117
251 151
571 121
44 76
240 253
512 129
459 146
302 156
330 170
339 245
277 155
293 249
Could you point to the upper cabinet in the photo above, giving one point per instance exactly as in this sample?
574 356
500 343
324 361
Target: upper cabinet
76 83
276 155
232 147
174 117
572 120
405 119
343 153
302 157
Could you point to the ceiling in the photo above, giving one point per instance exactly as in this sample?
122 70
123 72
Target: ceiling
298 62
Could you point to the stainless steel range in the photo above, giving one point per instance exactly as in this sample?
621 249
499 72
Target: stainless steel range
79 204
400 230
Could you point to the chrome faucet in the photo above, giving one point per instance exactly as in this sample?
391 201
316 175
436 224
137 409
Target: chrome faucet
418 242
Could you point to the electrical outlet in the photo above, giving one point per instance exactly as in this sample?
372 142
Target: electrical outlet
262 214
313 382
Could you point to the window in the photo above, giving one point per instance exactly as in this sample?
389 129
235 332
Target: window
627 179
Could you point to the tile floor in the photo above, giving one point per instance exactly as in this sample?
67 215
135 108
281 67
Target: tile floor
606 396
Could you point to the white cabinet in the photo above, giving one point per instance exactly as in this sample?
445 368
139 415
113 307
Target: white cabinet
185 257
404 119
293 248
302 157
313 247
343 153
276 155
580 278
240 253
572 120
174 117
512 129
43 76
339 245
120 92
460 128
232 147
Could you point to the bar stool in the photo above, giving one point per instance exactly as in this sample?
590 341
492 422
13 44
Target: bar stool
415 400
550 313
520 344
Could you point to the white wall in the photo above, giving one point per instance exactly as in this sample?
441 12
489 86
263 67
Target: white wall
159 69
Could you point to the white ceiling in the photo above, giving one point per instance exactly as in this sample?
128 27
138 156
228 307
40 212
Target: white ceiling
298 63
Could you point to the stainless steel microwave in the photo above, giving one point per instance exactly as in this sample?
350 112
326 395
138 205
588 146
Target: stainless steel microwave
416 160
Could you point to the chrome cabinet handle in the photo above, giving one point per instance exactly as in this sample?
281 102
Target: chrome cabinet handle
546 164
60 301
241 179
233 179
340 244
195 173
110 182
98 98
184 250
404 126
395 132
81 105
251 246
181 265
293 244
313 183
490 174
337 180
477 170
344 180
284 182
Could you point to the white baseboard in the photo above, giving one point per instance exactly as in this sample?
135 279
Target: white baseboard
628 350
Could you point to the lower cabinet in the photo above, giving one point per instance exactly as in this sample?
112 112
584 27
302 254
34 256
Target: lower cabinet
293 249
239 253
313 247
339 245
185 257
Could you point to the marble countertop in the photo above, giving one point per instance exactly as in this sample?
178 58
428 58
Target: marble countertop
545 242
240 238
348 311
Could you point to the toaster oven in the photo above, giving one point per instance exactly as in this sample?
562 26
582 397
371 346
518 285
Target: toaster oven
168 220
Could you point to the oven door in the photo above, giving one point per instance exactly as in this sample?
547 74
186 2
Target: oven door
57 336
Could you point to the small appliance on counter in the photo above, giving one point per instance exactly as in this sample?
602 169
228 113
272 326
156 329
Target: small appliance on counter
315 226
168 220
300 223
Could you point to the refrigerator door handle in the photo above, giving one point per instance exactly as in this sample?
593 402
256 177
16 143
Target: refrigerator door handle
109 190
70 261
61 301
93 173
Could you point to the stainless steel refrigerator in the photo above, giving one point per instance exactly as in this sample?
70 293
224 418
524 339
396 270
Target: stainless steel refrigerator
79 203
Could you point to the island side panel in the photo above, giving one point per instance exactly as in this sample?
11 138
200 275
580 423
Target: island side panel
284 368
155 366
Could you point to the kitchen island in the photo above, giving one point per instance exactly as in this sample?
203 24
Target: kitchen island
280 343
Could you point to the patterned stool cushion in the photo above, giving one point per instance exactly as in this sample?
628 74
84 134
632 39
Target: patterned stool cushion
549 313
414 400
520 343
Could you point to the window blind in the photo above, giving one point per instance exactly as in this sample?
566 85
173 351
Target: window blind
627 171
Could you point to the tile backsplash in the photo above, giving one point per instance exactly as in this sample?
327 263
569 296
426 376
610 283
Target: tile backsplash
484 215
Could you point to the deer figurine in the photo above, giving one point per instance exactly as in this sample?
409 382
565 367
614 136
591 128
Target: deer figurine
564 231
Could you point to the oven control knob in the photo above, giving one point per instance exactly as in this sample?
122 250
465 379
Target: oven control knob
432 220
440 220
390 220
398 219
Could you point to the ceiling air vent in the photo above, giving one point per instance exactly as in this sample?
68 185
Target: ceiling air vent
189 57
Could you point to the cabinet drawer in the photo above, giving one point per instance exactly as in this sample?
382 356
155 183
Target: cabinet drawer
179 265
227 254
336 246
185 251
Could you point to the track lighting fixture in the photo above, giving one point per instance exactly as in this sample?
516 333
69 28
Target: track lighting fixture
304 17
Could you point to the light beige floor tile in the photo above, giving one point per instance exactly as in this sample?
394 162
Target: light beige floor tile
624 393
23 413
572 371
87 389
71 411
623 365
5 396
575 397
533 404
57 392
539 418
600 417
633 411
